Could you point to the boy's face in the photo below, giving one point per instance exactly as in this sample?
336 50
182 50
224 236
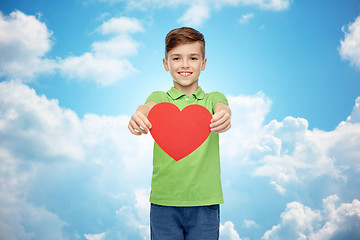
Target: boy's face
185 62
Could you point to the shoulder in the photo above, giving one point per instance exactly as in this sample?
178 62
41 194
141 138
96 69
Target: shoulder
215 94
216 97
157 96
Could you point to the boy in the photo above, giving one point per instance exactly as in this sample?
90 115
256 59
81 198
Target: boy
185 194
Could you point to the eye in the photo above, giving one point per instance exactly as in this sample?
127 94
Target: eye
176 59
194 58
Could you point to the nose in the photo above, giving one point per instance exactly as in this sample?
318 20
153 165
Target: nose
185 63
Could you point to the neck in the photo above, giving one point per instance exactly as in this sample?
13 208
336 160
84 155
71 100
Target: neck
187 90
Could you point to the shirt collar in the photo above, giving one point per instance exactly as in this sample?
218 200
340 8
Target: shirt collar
175 94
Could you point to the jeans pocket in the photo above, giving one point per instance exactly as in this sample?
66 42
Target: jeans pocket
210 216
162 215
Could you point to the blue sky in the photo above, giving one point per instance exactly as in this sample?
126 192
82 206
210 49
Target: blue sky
72 72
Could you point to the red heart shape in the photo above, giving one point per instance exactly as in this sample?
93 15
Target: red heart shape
179 133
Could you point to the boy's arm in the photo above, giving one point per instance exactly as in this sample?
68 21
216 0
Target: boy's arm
221 121
139 124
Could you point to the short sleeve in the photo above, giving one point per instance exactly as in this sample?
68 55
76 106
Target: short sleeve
157 97
217 97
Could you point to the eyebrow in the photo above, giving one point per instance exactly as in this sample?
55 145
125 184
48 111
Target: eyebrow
191 54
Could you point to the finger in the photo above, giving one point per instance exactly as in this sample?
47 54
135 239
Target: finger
221 127
224 130
218 122
217 116
145 123
139 124
135 125
133 131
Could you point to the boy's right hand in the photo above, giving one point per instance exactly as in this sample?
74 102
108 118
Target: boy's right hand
139 124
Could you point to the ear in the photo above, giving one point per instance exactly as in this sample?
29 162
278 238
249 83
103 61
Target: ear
203 65
166 65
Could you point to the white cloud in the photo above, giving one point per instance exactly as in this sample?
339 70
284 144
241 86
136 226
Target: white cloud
295 160
33 131
199 11
121 26
107 62
247 130
335 221
142 204
99 236
117 47
35 127
274 5
350 47
20 219
102 70
196 15
246 18
24 42
48 154
287 152
297 222
228 232
133 223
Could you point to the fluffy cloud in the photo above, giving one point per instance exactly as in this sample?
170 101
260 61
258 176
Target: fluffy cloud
35 128
247 130
20 219
120 26
295 161
350 47
335 221
131 221
103 71
51 159
107 61
199 11
24 42
196 14
275 5
227 232
287 152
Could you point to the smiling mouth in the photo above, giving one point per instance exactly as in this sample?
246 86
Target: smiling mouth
185 74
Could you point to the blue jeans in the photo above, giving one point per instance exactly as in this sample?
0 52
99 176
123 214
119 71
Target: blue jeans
184 223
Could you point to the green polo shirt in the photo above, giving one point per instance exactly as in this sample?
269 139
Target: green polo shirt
195 179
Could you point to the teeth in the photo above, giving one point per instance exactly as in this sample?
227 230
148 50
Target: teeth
185 74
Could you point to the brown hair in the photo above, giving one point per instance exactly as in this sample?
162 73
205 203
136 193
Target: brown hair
183 35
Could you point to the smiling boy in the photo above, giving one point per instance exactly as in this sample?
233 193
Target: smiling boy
185 194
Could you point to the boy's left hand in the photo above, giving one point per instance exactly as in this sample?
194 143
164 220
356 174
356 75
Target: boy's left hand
221 121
